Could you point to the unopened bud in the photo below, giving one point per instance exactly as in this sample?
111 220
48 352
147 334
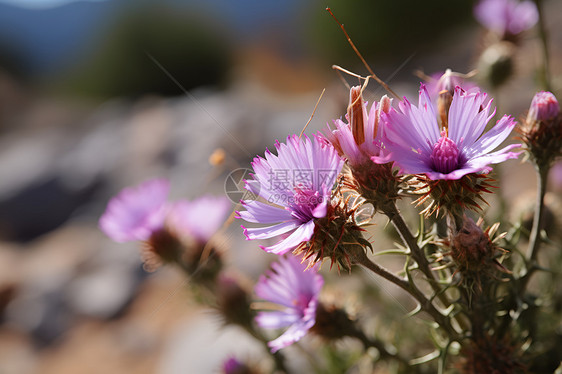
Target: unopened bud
446 89
333 323
470 245
233 301
448 81
496 63
543 107
542 130
162 247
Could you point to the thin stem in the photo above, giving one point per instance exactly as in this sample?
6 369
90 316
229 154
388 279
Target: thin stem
544 41
408 238
360 258
535 238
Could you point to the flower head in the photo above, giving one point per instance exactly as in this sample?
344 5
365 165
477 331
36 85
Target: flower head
541 131
136 212
419 146
296 184
358 139
506 17
296 291
543 107
200 218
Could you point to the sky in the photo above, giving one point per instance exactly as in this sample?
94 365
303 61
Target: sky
41 3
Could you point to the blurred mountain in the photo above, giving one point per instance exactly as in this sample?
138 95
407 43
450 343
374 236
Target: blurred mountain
47 40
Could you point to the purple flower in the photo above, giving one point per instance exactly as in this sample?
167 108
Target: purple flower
543 107
506 17
418 146
135 213
358 139
296 291
296 184
200 218
233 366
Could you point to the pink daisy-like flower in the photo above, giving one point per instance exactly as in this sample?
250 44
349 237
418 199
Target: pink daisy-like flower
200 218
418 146
506 17
296 291
137 212
293 189
358 140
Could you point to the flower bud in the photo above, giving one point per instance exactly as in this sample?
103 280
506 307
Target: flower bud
471 247
543 107
333 323
496 63
162 247
474 252
233 301
541 131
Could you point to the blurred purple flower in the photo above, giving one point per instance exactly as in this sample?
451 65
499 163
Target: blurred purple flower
556 175
135 213
233 366
543 107
297 291
417 145
297 184
506 17
200 218
447 81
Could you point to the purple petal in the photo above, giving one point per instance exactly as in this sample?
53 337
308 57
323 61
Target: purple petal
302 234
200 218
135 213
267 232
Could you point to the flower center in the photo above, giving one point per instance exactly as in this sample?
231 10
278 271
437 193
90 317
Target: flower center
445 155
303 203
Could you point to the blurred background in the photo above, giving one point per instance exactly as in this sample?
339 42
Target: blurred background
99 95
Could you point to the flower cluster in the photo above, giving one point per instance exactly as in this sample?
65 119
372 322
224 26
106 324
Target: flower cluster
312 199
144 214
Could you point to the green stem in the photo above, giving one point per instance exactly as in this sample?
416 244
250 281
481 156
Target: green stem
360 258
545 53
408 238
535 240
535 237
